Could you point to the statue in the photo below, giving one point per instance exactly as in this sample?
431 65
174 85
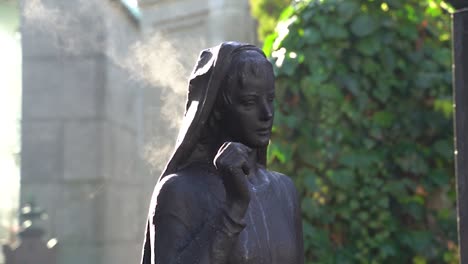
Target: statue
216 203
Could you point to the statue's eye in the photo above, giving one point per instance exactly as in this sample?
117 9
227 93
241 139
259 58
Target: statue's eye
249 102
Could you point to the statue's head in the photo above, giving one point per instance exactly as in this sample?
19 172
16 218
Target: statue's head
231 92
244 106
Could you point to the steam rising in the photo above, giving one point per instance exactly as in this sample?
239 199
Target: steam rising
37 16
35 11
157 153
65 28
154 61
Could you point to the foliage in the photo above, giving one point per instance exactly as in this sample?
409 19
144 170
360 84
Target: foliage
267 13
364 126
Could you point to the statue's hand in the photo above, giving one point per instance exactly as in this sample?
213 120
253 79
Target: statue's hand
232 163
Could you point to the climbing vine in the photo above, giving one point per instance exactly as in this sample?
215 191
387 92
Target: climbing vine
364 126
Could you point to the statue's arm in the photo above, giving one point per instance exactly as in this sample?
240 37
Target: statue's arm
177 239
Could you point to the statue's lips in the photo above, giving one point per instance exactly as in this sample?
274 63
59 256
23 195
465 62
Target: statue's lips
264 131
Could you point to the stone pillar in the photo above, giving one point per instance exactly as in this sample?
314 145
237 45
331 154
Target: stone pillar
61 144
231 20
80 131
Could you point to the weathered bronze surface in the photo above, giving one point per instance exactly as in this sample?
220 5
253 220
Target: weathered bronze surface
216 202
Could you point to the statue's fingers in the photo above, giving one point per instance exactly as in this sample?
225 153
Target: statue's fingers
245 149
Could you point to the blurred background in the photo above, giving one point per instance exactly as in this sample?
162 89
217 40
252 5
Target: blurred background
93 91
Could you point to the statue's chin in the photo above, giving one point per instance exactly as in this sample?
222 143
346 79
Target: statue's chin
258 143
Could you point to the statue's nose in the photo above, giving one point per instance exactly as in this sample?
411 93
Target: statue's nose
266 111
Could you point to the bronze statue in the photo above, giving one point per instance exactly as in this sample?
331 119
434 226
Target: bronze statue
216 203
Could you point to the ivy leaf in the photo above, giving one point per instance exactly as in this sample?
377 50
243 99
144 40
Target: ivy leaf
268 44
310 180
289 66
383 118
368 46
347 9
418 240
286 13
312 36
333 31
342 178
439 177
443 148
363 25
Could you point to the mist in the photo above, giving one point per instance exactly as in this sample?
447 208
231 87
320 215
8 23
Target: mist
153 60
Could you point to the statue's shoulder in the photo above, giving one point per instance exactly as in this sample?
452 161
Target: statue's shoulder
187 183
173 184
178 194
283 183
285 186
281 178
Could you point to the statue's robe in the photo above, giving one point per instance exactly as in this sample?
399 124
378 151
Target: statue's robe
183 226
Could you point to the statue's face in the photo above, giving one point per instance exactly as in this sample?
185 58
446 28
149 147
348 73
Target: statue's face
249 117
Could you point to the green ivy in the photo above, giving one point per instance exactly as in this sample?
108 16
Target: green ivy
364 126
267 12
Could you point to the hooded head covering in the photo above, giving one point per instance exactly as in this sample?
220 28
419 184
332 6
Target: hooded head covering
205 82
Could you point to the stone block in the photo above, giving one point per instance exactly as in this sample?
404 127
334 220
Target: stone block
77 213
107 151
62 87
62 28
42 152
122 253
82 150
37 40
125 156
120 38
83 93
118 218
168 12
42 88
232 24
235 4
146 191
121 156
79 253
121 96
